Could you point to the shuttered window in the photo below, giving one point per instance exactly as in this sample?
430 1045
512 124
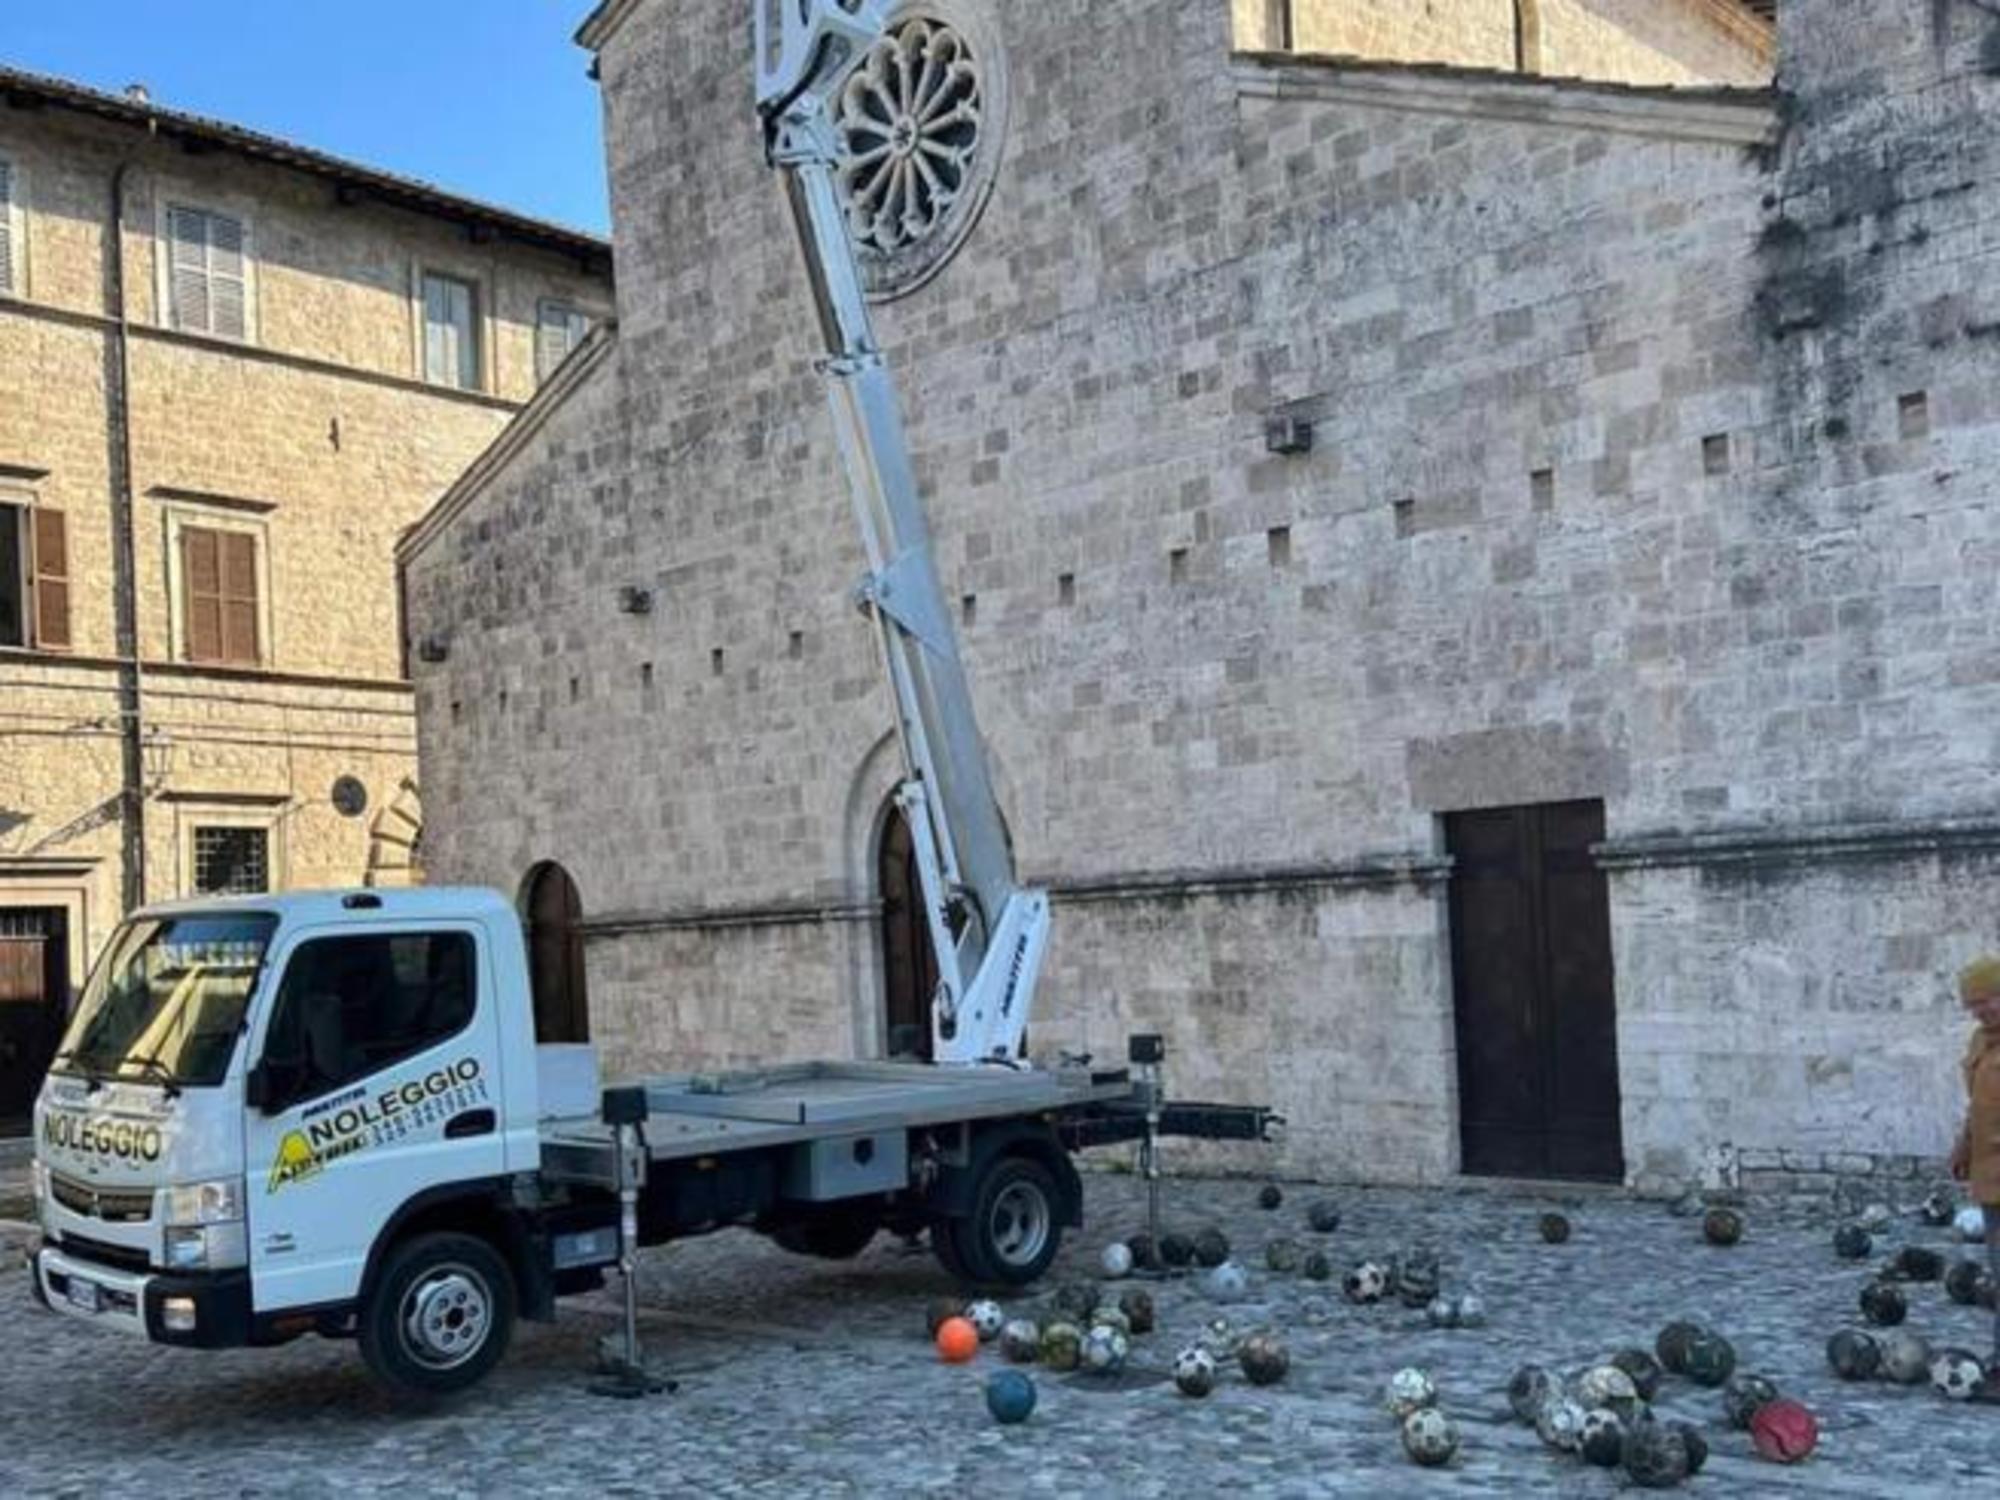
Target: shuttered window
451 332
50 539
559 328
219 595
206 271
7 229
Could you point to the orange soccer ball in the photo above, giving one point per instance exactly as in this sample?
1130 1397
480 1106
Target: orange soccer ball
957 1340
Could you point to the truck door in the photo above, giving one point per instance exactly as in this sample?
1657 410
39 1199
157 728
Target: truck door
378 1080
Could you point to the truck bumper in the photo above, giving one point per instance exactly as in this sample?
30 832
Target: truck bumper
210 1311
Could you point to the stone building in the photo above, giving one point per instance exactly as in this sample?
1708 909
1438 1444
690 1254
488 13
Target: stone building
213 424
1479 585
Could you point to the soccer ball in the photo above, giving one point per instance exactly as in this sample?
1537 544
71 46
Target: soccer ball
1194 1371
986 1319
1883 1305
1062 1346
1555 1229
1010 1396
1117 1260
1656 1455
1365 1283
1137 1305
1607 1386
1020 1341
1956 1375
1560 1424
1103 1350
1323 1217
1282 1256
1428 1437
1111 1317
1744 1396
1917 1263
1961 1282
1270 1196
1417 1278
1711 1359
1722 1226
1672 1345
1530 1389
1970 1225
1602 1441
1264 1359
1697 1446
1316 1266
1409 1389
1852 1242
1176 1249
1227 1282
1643 1369
1471 1310
1853 1354
1077 1299
1442 1312
1211 1247
1906 1357
1940 1207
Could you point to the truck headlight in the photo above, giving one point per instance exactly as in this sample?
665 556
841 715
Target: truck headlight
217 1202
208 1247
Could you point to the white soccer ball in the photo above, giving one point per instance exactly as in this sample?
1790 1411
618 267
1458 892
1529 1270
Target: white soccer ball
1428 1437
986 1319
1367 1282
1104 1350
1116 1260
1607 1386
1228 1282
1970 1225
1956 1375
1560 1424
1410 1389
1194 1371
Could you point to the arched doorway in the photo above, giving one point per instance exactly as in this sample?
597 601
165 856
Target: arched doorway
552 913
909 967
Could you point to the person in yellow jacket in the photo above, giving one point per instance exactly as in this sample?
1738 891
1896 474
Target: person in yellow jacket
1975 1160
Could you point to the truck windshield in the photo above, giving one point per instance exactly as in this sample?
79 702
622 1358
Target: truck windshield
166 1002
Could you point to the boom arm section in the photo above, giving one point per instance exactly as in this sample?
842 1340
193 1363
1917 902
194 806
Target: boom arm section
989 932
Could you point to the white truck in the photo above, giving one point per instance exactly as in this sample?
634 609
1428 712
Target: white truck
327 1112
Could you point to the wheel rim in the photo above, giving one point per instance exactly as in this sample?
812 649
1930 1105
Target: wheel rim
1020 1223
446 1315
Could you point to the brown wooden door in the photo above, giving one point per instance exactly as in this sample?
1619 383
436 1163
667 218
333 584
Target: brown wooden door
1536 1008
909 967
33 1003
553 911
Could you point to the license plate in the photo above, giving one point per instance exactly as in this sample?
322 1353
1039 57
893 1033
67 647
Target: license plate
85 1296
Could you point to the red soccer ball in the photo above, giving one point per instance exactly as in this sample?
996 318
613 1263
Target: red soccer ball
1784 1431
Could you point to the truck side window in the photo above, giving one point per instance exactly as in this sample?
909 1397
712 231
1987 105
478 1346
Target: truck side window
350 1006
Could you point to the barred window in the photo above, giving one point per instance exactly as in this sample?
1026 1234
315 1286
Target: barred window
231 861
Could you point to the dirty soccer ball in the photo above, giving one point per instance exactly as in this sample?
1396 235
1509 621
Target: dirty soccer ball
1429 1437
1137 1305
1408 1389
1961 1282
1264 1359
1970 1225
1655 1455
1906 1357
1607 1386
1062 1346
1644 1370
1211 1247
1111 1317
1365 1283
1853 1354
1722 1226
1317 1266
1176 1249
1711 1359
1697 1445
1010 1396
1744 1396
1077 1299
1603 1439
1323 1217
1442 1312
1784 1432
1117 1260
1560 1424
986 1319
1417 1279
1226 1282
1103 1350
1283 1256
1020 1341
1194 1371
1883 1305
1672 1345
1531 1388
1940 1207
939 1311
1957 1375
1555 1229
1145 1254
1852 1242
1917 1263
1270 1196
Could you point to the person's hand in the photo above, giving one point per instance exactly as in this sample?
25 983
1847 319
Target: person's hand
1961 1159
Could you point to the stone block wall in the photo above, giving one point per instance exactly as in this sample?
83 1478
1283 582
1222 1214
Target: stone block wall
1618 489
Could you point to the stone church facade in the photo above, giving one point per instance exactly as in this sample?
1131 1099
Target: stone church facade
1479 585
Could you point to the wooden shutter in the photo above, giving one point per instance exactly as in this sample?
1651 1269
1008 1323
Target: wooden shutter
239 597
51 566
6 227
187 269
201 591
226 300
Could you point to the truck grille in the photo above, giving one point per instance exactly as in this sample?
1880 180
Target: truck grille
112 1206
124 1257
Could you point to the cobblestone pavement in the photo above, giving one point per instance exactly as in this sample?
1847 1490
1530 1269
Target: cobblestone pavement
803 1377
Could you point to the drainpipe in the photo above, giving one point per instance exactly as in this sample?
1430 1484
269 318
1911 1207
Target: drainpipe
124 568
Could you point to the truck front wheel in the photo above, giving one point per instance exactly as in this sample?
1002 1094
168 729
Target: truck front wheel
440 1316
1015 1228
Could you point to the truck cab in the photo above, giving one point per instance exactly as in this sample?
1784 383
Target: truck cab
260 1099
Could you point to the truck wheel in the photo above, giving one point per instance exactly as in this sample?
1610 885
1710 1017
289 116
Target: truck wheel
833 1238
1014 1231
440 1316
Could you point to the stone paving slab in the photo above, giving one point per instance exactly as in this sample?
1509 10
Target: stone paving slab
803 1377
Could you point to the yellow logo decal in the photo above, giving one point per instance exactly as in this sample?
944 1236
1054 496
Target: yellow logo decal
295 1161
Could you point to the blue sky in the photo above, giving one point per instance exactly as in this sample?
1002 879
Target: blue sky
484 97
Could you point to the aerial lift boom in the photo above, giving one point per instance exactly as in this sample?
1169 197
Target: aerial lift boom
989 932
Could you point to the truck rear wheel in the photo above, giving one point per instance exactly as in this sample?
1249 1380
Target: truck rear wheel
440 1316
1015 1229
